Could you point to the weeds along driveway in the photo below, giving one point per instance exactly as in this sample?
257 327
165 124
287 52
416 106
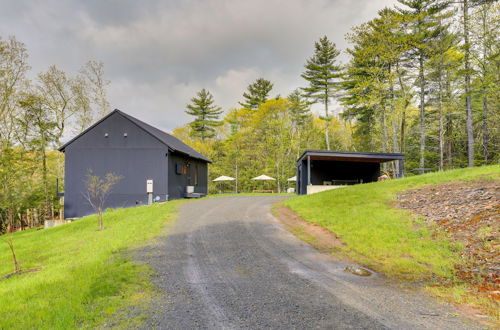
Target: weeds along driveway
228 263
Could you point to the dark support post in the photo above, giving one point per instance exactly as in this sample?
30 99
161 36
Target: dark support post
401 167
297 176
308 170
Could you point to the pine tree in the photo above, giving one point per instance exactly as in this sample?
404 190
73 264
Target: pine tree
467 78
468 71
370 94
365 95
206 115
257 94
423 29
441 62
485 41
322 73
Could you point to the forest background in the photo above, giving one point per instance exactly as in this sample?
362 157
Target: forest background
422 78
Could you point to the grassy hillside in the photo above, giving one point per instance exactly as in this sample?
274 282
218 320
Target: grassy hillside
84 275
379 235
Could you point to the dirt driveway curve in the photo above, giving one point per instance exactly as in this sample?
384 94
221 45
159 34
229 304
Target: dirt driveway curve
229 264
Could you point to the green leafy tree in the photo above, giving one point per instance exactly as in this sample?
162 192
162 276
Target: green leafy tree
54 94
300 116
299 108
322 74
13 69
15 262
92 73
34 116
206 115
19 186
258 93
40 132
98 190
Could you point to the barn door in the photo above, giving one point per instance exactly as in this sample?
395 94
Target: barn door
189 174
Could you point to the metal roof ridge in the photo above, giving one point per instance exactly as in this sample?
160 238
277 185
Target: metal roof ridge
139 123
354 153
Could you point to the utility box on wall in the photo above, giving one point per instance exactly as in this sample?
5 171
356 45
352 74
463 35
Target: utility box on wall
149 191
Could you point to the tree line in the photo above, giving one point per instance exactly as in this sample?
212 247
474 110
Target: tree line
35 115
422 78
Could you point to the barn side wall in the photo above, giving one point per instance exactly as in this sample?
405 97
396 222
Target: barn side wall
137 158
195 174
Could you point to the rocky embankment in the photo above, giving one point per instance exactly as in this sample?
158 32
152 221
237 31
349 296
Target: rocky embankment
470 213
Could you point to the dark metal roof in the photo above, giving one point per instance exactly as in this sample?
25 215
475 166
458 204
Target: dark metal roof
378 157
170 141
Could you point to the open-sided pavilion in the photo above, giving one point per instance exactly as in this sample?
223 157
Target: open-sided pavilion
319 170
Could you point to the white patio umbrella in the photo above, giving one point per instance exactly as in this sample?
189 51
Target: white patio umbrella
264 178
291 189
223 178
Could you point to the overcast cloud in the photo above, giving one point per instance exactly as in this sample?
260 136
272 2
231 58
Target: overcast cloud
158 54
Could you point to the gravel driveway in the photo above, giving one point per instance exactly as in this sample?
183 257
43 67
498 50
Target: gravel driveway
229 264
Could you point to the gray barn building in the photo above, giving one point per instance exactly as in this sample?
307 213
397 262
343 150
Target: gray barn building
126 146
319 170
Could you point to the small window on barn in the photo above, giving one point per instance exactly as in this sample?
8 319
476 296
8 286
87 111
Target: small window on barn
181 168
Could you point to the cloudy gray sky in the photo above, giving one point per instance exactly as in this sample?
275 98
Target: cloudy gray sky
158 54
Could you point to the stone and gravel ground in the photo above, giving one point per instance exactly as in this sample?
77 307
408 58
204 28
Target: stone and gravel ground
229 264
470 213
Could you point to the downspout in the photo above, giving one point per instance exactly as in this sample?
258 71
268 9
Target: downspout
308 172
166 174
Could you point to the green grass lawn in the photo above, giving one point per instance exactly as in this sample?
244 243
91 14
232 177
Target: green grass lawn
380 236
85 275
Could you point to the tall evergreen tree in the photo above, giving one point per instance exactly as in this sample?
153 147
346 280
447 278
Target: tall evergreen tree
442 62
423 29
206 115
369 83
322 73
357 91
466 5
485 24
467 76
258 93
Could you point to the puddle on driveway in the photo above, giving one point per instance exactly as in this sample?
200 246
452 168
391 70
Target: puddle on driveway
355 270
